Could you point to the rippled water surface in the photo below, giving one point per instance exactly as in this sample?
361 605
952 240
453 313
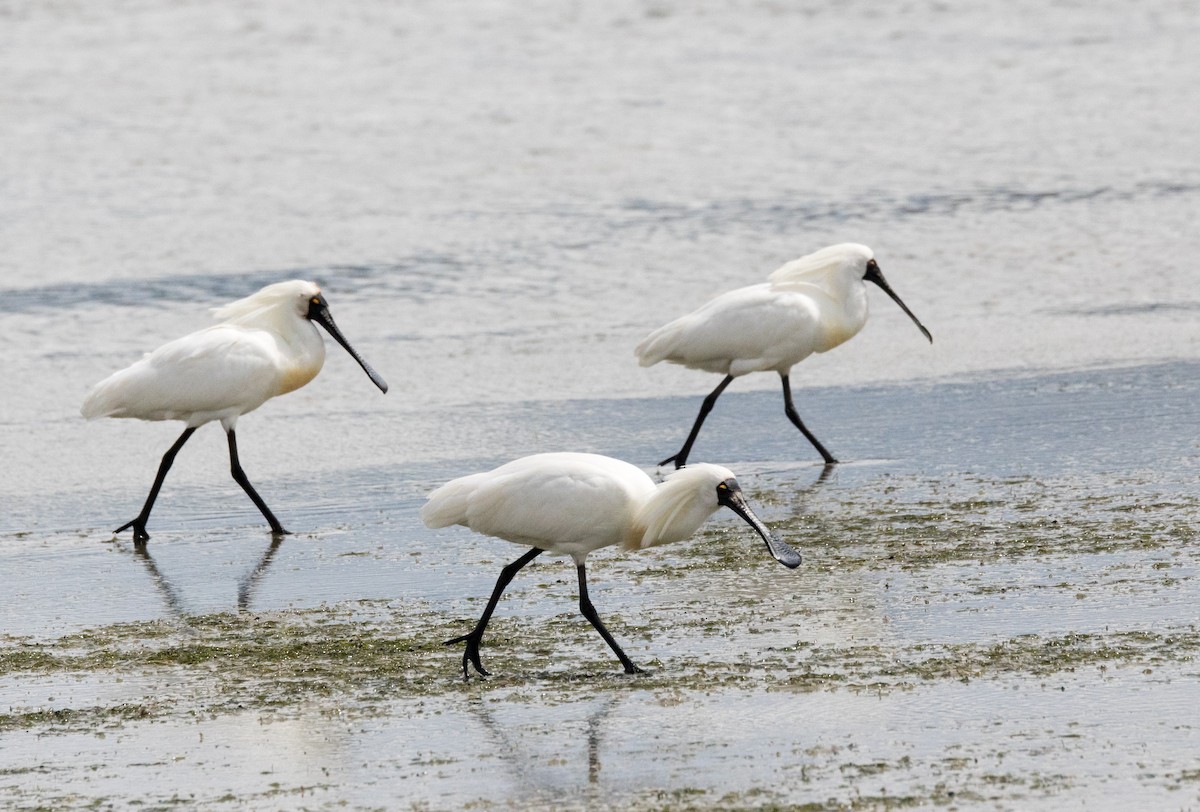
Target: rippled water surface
998 606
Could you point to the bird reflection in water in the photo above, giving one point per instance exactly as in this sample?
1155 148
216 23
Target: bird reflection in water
522 760
169 592
248 585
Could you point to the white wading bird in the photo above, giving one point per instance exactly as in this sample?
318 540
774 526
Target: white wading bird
265 345
571 504
811 304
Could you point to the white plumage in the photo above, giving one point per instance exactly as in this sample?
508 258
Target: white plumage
216 374
808 305
266 345
572 504
563 503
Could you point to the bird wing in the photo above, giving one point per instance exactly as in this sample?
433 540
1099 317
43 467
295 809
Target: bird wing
568 503
220 371
745 330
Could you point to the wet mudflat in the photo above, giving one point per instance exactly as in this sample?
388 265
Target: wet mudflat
1017 627
998 605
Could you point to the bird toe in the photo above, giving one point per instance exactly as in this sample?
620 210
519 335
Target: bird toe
139 531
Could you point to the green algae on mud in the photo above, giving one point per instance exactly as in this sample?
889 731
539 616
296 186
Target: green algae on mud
912 522
366 653
276 662
914 588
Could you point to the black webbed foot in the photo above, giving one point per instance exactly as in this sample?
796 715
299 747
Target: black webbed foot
470 655
140 536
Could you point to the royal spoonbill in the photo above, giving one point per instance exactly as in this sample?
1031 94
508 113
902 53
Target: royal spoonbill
811 304
265 345
571 504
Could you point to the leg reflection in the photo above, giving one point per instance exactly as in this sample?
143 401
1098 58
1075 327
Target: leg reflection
248 584
169 592
526 765
171 595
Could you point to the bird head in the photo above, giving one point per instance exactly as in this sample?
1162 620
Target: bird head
316 310
269 303
872 273
844 263
276 305
836 268
729 494
689 496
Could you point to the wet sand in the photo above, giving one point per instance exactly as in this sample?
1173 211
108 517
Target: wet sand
998 605
984 619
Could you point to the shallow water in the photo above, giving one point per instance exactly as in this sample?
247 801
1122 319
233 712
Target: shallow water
972 450
609 752
998 603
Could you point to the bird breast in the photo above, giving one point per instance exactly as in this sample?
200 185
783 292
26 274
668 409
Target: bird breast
837 316
295 376
300 354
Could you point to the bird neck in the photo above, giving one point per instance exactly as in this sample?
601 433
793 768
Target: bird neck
842 301
303 352
847 318
672 513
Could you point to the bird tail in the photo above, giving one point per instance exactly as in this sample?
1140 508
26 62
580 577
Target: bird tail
659 345
448 504
103 400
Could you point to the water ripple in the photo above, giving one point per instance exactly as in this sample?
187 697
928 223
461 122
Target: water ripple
786 214
1130 309
416 277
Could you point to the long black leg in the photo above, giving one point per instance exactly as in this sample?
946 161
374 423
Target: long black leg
790 409
475 636
239 476
589 611
680 459
140 535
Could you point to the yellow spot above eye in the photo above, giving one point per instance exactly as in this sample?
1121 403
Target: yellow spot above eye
316 300
722 487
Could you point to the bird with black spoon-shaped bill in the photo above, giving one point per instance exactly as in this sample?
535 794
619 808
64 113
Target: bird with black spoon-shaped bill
809 305
266 345
572 504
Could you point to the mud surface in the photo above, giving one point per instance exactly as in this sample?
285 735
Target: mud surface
998 605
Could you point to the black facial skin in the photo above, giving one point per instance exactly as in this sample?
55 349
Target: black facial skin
729 494
875 275
318 311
